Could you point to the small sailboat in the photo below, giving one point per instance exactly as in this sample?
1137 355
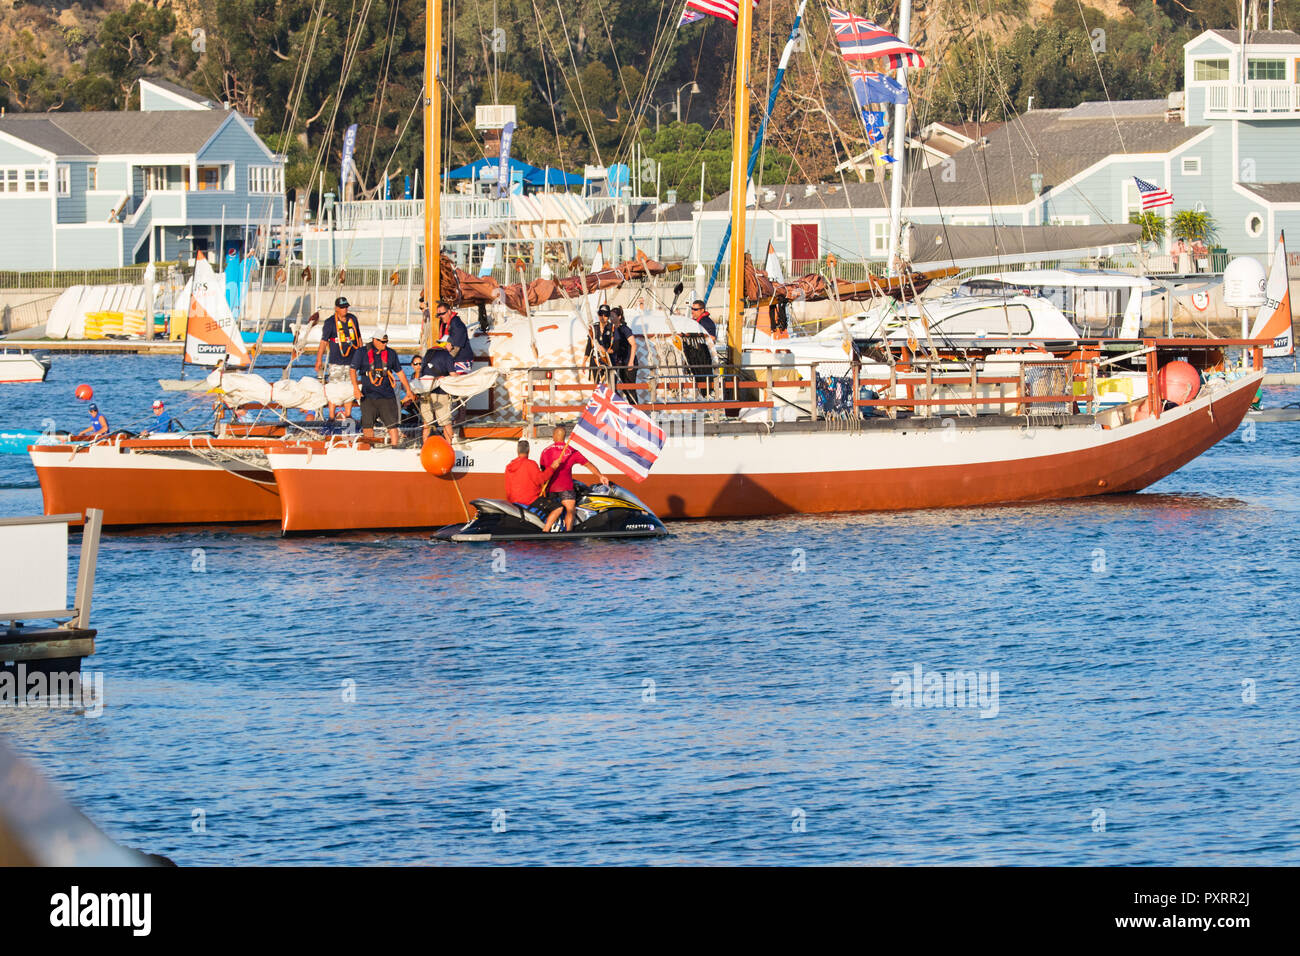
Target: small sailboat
22 367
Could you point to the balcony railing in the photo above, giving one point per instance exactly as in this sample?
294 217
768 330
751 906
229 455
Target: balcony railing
1256 98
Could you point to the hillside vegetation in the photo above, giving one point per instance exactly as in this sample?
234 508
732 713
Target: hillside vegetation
592 80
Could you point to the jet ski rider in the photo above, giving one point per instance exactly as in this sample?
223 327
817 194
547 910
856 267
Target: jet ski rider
564 458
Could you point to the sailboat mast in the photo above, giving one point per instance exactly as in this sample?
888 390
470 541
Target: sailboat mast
432 157
739 182
899 166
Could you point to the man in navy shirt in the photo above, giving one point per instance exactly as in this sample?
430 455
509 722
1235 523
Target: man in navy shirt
375 372
452 331
435 404
340 336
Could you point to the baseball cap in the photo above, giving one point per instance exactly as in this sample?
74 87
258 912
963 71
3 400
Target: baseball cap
341 302
603 310
157 404
93 409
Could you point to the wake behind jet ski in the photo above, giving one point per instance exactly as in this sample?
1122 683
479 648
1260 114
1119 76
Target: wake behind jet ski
602 511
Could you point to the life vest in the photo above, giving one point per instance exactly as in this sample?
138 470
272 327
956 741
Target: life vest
375 373
347 334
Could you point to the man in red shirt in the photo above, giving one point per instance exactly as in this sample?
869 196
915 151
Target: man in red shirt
562 459
524 480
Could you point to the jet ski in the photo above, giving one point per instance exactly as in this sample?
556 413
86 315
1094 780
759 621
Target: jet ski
602 511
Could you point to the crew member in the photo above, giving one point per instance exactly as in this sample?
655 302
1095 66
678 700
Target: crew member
524 480
624 353
98 425
704 373
379 370
435 404
452 331
701 315
600 341
162 422
340 336
560 457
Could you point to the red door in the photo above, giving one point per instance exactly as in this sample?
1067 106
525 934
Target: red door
803 242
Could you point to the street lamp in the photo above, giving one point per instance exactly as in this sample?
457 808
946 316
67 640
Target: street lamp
677 108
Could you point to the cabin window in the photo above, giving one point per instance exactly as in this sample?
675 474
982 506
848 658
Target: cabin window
1191 165
36 180
1254 225
1209 71
266 180
92 177
1265 69
8 180
990 320
65 180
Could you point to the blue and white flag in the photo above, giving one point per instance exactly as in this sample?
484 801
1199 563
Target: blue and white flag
869 87
690 16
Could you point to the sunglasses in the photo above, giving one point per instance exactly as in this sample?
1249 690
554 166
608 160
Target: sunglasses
442 313
696 308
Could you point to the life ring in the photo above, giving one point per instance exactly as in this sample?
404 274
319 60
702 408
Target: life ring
1201 300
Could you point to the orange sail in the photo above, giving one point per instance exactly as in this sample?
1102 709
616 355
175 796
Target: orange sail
1274 318
211 330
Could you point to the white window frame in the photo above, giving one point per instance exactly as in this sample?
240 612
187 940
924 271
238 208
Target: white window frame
1191 165
11 178
92 178
1255 233
64 179
969 220
880 237
1127 208
1227 61
1071 220
266 180
225 182
1250 64
34 177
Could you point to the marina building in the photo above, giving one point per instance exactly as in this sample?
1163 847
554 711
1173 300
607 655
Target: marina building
107 189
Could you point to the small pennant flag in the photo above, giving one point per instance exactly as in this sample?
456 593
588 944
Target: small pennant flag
861 39
869 87
1152 195
690 16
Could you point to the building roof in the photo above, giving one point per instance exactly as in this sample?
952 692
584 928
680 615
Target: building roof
1260 37
1057 143
182 92
645 213
1275 192
114 133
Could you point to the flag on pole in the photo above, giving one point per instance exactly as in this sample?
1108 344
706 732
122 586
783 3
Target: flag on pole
618 434
728 10
871 87
690 16
861 39
1153 196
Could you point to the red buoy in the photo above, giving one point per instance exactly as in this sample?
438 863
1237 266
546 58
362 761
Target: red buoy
85 392
1179 383
437 456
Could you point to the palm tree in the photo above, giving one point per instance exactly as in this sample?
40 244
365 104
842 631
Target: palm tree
1153 225
1193 226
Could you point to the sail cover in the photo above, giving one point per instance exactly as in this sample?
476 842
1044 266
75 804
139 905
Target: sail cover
211 332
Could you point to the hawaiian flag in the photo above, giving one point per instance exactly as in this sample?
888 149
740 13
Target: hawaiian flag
860 39
1153 196
618 434
728 10
871 87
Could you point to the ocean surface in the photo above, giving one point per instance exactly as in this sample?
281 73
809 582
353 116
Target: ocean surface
737 693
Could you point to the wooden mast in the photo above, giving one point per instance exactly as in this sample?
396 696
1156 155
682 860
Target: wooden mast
739 184
432 159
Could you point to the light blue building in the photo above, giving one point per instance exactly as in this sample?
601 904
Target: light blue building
106 189
1229 144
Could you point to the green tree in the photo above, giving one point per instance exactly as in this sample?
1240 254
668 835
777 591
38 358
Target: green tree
1192 226
134 42
1154 226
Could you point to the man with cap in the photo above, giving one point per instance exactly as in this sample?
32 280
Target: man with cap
375 372
600 341
340 336
451 330
98 426
162 422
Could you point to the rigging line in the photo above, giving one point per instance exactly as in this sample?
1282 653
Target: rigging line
1088 39
298 87
577 76
383 86
550 91
656 65
352 43
618 69
584 116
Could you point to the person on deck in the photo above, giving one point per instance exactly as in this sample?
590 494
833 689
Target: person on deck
162 422
701 315
524 480
624 353
452 331
435 404
600 343
379 369
562 459
98 425
340 337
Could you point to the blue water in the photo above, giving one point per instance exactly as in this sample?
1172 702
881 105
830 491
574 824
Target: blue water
1121 631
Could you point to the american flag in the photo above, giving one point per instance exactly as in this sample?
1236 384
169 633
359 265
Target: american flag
1153 196
727 10
860 39
618 434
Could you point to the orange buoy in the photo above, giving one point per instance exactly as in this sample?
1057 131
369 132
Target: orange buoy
85 392
1143 412
1179 383
437 456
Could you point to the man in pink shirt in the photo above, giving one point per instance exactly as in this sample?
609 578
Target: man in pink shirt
561 483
